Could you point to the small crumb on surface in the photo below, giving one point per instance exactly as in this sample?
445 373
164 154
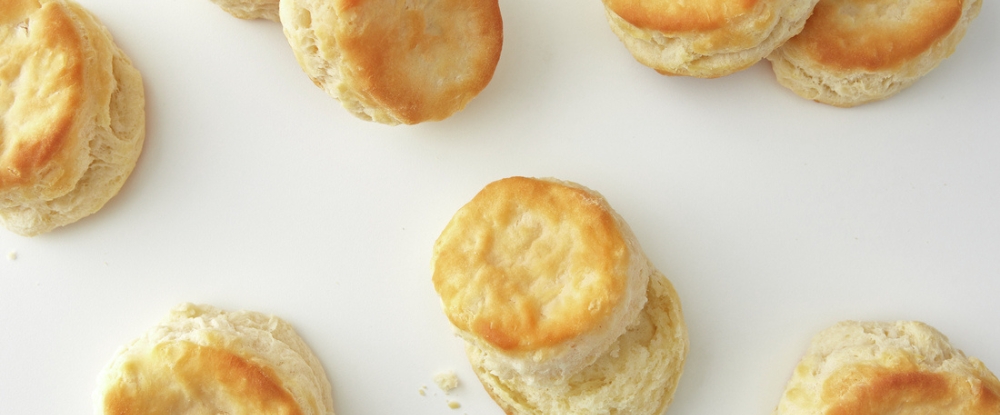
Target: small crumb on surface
447 380
422 391
12 256
454 405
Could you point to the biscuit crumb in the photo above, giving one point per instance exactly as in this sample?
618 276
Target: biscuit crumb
12 256
447 381
422 391
454 405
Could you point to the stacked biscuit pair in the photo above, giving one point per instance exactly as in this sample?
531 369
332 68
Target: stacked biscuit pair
839 52
73 119
393 62
561 311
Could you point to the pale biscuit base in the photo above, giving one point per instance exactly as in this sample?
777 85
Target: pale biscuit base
637 376
704 38
202 360
396 62
872 368
852 53
94 127
250 9
541 275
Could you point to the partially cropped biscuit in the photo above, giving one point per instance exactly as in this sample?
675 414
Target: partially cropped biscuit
550 290
705 38
73 119
250 9
395 61
875 368
202 360
856 51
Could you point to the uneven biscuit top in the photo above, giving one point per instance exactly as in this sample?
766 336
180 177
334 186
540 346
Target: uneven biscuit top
874 34
42 88
185 378
422 59
529 264
678 16
888 368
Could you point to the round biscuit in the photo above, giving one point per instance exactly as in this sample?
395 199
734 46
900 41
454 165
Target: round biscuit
202 360
704 38
74 119
542 275
396 61
853 52
873 368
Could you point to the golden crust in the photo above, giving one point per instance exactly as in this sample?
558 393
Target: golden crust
73 119
704 38
395 61
540 268
638 376
41 131
250 9
856 51
201 360
880 368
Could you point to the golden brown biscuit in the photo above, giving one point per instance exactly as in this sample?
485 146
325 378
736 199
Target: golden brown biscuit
856 51
250 9
871 368
202 360
638 376
394 61
560 309
73 120
704 38
542 275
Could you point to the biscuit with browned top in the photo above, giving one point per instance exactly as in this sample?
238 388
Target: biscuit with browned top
875 368
72 121
202 360
856 51
250 9
396 61
704 38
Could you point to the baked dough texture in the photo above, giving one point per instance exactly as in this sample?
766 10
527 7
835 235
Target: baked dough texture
705 38
250 9
637 376
877 368
853 52
72 118
204 361
547 285
396 61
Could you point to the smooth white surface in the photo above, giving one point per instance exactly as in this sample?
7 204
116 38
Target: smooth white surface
773 216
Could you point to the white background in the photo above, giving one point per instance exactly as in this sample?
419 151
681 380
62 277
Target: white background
774 216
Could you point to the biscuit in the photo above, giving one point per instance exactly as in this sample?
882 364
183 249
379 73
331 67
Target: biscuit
873 368
73 119
856 51
250 9
202 360
704 38
396 61
637 377
545 283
